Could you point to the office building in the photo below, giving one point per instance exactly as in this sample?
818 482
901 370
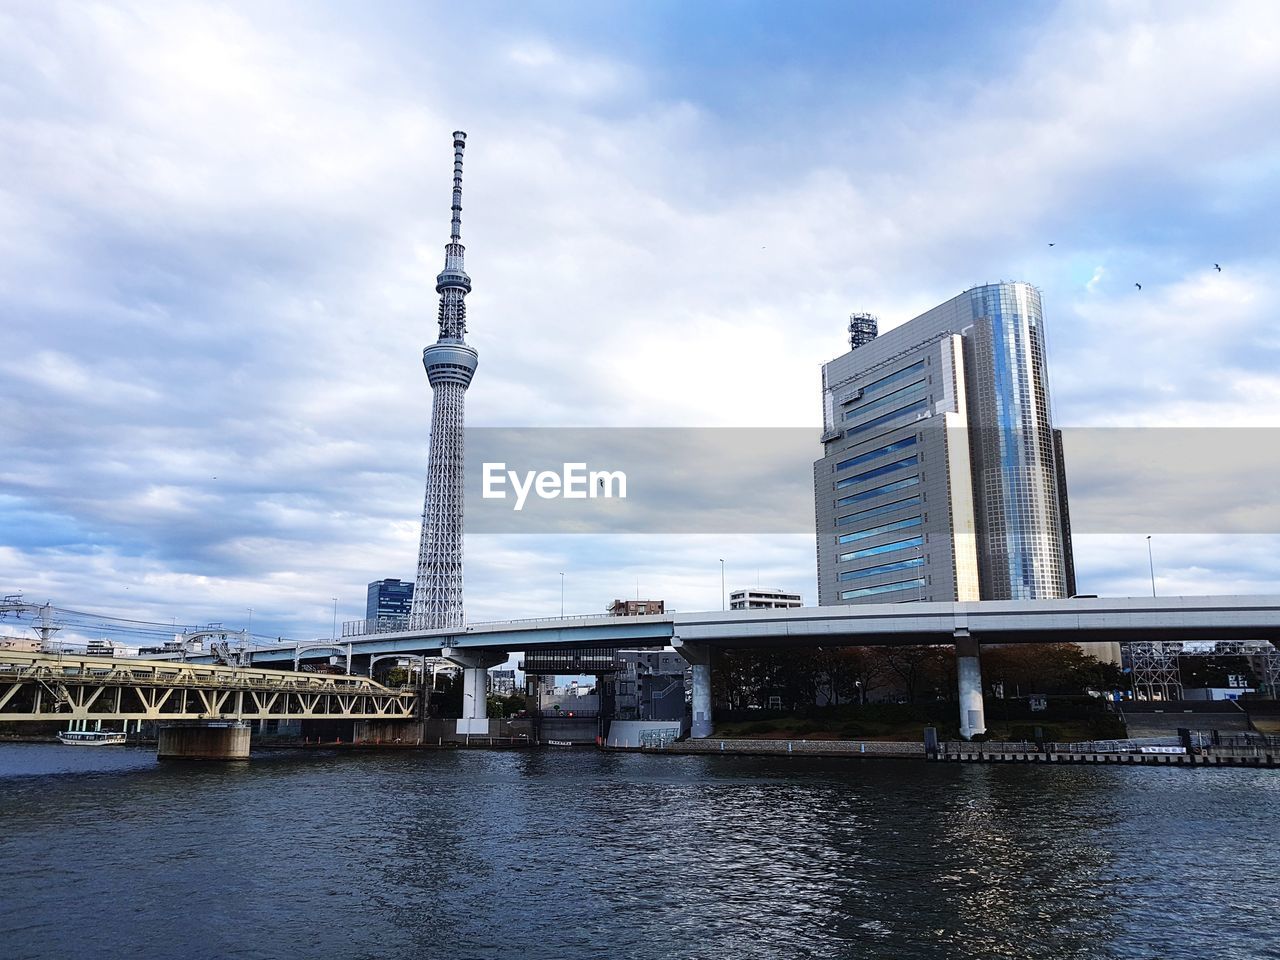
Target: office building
763 598
941 476
389 603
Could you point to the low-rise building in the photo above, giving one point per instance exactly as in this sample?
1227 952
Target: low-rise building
763 598
20 644
636 608
647 685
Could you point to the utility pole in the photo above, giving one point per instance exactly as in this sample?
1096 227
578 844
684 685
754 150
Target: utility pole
334 635
722 593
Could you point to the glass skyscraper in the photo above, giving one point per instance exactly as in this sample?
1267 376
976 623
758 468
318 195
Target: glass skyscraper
941 477
388 604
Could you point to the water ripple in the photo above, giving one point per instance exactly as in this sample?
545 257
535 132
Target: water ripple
566 855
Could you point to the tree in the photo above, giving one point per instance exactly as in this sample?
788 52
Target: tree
847 674
909 666
1062 668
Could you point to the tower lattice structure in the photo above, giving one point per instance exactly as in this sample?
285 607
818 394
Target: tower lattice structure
450 365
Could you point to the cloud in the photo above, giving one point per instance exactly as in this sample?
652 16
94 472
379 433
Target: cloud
220 226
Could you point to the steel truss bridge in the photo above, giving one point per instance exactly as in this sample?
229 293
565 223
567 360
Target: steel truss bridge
40 686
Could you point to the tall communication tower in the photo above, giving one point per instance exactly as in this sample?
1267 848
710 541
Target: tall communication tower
450 363
863 328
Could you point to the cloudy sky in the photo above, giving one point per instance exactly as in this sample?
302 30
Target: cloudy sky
220 227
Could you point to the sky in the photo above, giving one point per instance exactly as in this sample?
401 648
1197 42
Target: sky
220 226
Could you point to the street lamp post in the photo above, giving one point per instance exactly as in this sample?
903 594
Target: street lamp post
722 594
562 596
1152 564
334 635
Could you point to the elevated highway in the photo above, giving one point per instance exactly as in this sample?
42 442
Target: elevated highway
965 625
1084 620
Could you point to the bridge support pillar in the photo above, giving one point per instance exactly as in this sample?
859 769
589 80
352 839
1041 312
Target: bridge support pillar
699 658
475 666
973 717
227 740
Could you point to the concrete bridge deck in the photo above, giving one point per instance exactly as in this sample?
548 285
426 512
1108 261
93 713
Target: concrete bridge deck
1083 620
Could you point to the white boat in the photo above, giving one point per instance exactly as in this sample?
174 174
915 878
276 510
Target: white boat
91 738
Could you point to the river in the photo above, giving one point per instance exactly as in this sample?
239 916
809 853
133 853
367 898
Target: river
563 855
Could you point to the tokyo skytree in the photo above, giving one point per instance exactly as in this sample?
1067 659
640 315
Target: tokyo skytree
450 363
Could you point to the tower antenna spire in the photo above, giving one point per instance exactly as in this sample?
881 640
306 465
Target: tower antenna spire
459 144
453 284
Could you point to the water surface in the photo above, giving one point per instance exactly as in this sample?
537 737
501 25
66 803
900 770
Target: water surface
107 853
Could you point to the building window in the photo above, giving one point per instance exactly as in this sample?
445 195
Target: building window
876 531
877 491
918 407
875 571
877 472
879 511
879 452
895 377
881 588
897 396
883 548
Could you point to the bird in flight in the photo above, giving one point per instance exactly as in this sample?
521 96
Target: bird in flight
1051 244
1218 268
1138 285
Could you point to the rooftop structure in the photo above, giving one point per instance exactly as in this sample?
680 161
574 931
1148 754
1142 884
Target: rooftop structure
763 598
863 328
636 608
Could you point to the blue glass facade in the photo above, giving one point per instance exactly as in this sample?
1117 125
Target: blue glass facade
1020 531
389 601
960 395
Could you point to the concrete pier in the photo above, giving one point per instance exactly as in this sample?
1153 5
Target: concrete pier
215 740
973 717
699 657
475 668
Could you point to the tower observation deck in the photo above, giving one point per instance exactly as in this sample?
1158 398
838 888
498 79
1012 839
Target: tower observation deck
450 365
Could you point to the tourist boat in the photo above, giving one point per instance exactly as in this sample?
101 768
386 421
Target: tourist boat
91 738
